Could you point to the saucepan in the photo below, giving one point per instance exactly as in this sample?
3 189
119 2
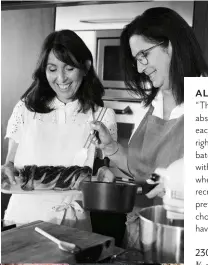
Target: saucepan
110 197
117 196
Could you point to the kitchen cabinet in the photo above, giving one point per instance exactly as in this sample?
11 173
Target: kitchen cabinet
200 25
25 4
113 16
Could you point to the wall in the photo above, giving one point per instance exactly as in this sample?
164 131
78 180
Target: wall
22 33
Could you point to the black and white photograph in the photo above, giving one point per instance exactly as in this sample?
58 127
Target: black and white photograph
92 129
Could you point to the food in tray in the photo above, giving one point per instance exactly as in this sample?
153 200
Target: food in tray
53 177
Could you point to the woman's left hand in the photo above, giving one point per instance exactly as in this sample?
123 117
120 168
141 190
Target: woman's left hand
173 173
159 190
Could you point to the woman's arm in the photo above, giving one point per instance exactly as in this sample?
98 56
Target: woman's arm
115 151
12 148
8 170
14 134
117 154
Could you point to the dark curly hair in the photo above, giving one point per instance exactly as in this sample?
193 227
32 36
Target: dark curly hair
158 25
69 48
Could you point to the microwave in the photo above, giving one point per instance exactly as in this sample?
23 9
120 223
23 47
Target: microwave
108 66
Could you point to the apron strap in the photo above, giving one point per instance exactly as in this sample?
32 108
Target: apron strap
149 112
73 207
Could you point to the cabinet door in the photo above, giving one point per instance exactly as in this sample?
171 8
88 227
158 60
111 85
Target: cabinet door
115 15
200 25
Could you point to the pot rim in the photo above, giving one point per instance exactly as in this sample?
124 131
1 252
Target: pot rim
110 183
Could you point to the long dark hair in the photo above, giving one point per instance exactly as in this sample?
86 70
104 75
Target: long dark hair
157 25
69 48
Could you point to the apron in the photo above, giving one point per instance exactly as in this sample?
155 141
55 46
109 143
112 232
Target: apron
155 144
50 144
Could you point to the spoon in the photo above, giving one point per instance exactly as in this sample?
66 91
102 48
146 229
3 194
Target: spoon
66 246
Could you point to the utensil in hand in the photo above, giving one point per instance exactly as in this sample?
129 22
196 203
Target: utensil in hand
63 245
81 156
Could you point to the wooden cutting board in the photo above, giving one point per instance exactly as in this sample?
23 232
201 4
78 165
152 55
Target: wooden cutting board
25 245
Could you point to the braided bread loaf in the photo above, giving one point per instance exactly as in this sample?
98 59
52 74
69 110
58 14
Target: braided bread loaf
53 177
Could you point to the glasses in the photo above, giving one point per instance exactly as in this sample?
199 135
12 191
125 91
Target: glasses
142 55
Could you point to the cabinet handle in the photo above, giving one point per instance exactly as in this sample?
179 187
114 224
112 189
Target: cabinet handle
127 110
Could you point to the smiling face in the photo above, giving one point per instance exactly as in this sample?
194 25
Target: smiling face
158 65
64 79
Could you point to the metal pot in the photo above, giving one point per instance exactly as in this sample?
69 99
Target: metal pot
161 239
109 196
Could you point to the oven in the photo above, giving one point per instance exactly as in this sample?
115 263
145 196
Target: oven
127 114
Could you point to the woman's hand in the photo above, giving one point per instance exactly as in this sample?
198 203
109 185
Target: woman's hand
103 140
159 190
172 176
8 173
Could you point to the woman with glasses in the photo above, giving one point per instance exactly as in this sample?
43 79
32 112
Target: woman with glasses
159 49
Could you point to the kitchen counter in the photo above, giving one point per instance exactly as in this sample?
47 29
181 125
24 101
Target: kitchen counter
24 245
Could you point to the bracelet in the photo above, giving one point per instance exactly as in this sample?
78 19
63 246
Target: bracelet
115 151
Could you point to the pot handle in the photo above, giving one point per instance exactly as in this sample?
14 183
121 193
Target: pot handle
106 161
145 188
